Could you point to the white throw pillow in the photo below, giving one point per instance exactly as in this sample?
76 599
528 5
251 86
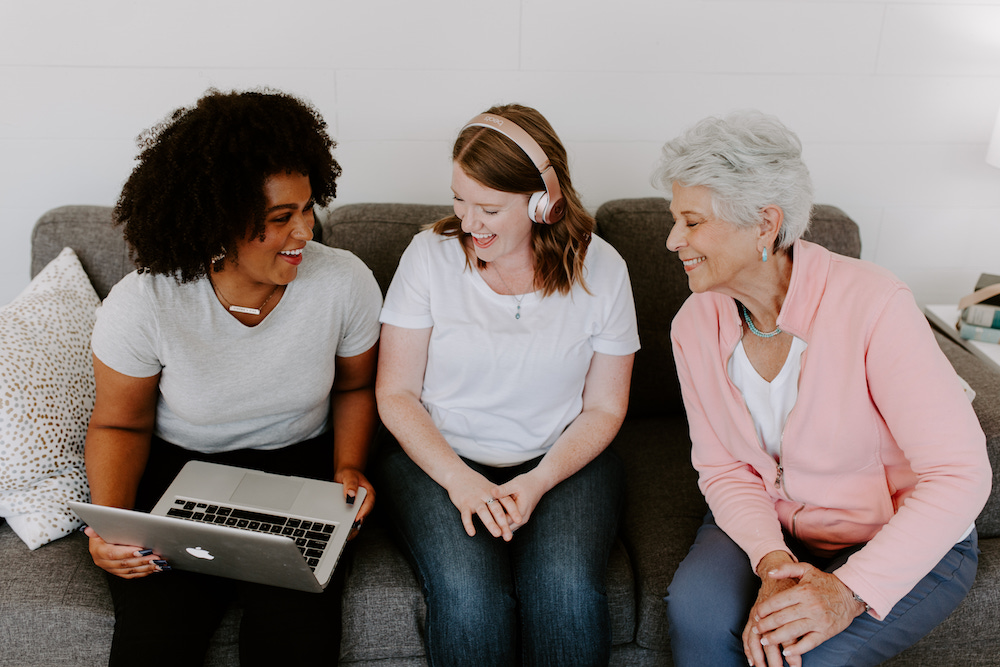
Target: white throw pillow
46 397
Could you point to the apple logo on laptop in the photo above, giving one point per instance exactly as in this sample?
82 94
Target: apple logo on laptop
198 552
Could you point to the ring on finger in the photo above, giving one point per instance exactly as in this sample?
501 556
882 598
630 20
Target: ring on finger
491 501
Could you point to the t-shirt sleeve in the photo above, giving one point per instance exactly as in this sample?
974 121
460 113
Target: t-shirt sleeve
125 335
362 327
619 334
407 301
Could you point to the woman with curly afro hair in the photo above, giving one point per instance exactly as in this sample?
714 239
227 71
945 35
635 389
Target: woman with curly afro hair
237 341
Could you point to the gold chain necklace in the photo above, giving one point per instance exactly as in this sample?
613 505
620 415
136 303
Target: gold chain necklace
242 309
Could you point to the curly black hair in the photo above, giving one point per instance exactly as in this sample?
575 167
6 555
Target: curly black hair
198 187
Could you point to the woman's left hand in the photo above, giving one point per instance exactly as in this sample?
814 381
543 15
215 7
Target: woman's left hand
353 479
525 490
804 616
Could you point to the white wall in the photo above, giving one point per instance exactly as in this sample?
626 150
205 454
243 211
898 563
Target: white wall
894 101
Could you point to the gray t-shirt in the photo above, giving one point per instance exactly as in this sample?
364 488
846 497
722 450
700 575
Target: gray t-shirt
225 386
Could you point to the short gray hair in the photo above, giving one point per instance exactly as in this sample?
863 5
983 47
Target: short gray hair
749 160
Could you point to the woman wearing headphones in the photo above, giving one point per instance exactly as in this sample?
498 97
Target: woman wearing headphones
506 355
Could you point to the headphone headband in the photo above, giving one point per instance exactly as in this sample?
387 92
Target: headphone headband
554 205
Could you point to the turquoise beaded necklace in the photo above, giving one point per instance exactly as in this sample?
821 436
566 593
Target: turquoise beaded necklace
754 330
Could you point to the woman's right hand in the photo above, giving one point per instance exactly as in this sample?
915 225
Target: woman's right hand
756 654
122 561
472 494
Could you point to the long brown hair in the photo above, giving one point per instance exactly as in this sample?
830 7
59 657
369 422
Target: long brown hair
493 160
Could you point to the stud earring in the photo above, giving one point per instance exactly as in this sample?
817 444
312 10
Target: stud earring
763 255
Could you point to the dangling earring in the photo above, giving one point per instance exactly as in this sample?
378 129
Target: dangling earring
763 255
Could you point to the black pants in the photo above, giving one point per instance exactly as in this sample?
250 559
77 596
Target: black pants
168 618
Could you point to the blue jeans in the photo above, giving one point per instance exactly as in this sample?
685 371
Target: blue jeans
536 600
709 601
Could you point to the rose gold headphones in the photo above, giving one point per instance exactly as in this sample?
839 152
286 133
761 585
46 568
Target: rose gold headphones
543 207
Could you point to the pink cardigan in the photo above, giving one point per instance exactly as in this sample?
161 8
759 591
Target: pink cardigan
881 447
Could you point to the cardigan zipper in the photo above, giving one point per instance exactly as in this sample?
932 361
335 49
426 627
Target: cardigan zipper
779 480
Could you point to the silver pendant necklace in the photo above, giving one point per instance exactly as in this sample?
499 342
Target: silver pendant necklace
517 299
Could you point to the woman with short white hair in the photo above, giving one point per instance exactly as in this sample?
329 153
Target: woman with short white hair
833 441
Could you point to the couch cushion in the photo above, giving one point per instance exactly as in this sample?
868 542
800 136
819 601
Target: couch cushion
54 603
88 230
379 233
638 229
56 608
46 394
657 458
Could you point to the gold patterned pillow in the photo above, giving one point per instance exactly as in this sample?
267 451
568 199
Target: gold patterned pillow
46 397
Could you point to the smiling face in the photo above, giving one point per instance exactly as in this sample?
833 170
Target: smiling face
716 254
288 224
497 221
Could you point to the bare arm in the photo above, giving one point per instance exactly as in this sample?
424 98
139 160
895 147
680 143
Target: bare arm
117 445
401 367
354 418
116 452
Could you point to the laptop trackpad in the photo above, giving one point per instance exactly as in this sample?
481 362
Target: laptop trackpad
274 492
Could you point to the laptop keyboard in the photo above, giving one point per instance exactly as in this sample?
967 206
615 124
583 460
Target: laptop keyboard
311 537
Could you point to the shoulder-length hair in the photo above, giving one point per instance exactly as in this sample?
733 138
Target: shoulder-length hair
493 160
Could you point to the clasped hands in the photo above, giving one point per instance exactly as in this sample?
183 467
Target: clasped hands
501 508
798 608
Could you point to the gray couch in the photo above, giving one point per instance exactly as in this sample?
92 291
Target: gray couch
54 604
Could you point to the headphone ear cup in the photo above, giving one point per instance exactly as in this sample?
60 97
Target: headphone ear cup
536 206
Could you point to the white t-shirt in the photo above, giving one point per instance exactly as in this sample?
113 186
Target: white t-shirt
501 390
768 402
226 386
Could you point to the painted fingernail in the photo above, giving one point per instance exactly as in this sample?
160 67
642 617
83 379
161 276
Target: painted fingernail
350 499
83 528
161 563
356 526
144 552
163 568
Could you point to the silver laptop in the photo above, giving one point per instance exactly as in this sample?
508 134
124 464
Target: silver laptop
239 523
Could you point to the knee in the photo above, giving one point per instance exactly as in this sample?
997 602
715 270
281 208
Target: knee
466 598
701 614
574 592
685 606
